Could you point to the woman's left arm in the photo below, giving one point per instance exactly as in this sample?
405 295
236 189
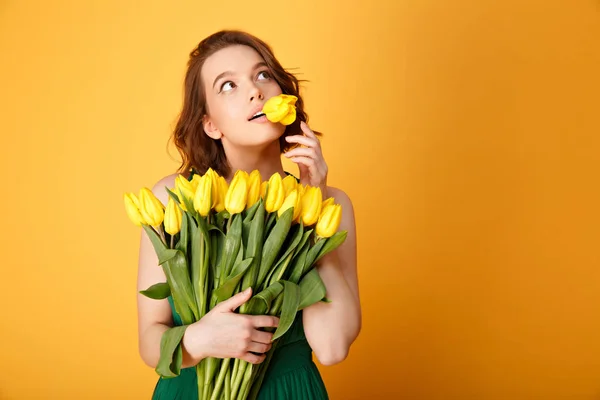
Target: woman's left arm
332 327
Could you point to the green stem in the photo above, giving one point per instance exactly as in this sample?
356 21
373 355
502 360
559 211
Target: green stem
245 383
200 376
239 375
221 380
228 385
234 371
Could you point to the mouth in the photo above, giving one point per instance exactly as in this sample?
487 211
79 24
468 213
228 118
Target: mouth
257 115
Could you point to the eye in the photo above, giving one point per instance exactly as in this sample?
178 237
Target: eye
264 75
227 86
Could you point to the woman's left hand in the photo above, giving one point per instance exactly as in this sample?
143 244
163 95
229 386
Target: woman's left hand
311 164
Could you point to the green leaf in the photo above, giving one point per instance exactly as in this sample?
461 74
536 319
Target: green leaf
273 244
312 255
278 272
312 289
162 251
173 195
157 291
225 291
291 301
294 242
332 243
305 238
297 267
171 353
254 247
249 213
233 241
178 278
182 244
260 303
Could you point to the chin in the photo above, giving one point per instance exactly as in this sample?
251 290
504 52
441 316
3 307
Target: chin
265 134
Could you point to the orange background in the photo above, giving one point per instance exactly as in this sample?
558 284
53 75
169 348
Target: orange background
466 133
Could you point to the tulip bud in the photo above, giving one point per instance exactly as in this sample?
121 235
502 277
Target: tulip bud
151 208
275 194
311 205
289 184
281 108
202 197
214 177
237 194
132 207
172 217
329 220
185 189
327 202
223 187
292 200
254 186
263 189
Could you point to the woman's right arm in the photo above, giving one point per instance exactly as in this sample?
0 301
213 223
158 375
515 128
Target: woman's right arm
221 332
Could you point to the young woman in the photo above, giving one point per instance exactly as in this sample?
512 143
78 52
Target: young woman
230 75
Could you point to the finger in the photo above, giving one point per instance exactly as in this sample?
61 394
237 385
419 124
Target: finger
259 348
234 302
261 337
303 140
253 358
307 161
302 151
307 130
264 321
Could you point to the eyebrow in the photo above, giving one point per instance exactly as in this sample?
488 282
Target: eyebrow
227 73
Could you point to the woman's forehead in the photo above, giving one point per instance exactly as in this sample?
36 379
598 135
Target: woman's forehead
232 59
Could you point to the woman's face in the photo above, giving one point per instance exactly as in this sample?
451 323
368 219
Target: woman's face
237 83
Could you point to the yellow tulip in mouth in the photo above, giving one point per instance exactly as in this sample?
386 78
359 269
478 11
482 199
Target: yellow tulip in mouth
281 108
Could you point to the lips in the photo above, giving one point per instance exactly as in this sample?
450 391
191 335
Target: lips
256 113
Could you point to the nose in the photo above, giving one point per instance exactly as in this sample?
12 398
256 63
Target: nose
256 94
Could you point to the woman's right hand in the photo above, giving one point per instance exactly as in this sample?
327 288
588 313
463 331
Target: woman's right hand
222 333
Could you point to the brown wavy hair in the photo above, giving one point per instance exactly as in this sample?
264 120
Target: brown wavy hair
198 151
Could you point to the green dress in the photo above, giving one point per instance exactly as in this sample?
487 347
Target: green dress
292 374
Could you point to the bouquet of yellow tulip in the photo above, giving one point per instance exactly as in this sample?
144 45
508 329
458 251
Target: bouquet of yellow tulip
215 239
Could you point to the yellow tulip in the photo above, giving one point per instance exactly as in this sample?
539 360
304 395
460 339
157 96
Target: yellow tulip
275 194
194 181
203 196
263 189
223 187
311 205
289 184
235 200
329 220
254 186
292 200
214 178
132 207
281 108
185 189
172 217
327 202
151 208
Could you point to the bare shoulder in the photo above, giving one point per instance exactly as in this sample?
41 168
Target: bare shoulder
159 187
342 199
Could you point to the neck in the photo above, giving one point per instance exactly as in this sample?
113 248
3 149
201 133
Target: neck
266 160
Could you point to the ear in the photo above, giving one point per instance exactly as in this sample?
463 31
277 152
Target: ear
211 129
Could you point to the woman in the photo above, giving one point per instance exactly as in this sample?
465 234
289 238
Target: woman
230 76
